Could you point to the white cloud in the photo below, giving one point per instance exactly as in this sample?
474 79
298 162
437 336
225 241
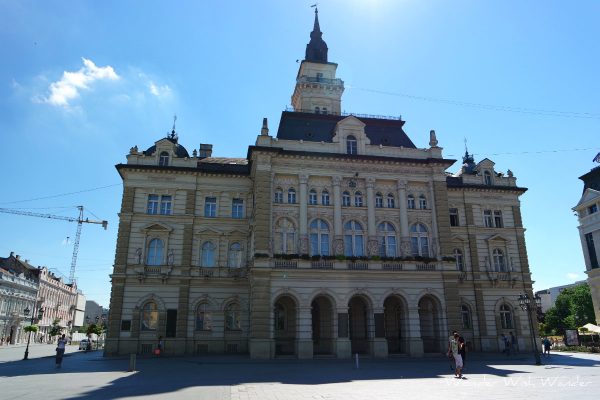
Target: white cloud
159 91
572 276
67 89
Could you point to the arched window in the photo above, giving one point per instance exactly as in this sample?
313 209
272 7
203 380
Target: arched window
358 199
232 317
422 202
387 240
317 110
319 238
278 195
285 237
280 317
235 255
466 316
149 317
346 199
292 196
411 202
378 200
208 255
391 201
353 239
499 262
458 255
506 320
155 252
163 159
324 110
203 318
351 145
487 177
419 240
312 197
325 197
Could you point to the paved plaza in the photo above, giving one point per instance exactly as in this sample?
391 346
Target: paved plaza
488 376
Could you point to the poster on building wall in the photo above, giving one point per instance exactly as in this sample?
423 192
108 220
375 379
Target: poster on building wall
571 337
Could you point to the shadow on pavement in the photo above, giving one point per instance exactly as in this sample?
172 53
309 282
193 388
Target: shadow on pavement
167 375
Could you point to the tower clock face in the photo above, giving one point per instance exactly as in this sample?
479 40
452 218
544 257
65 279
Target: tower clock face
352 184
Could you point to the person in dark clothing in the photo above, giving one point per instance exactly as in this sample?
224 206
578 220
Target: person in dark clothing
60 350
462 350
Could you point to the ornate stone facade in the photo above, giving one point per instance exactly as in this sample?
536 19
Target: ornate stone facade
336 236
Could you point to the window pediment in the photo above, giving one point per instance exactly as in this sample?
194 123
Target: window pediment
157 227
590 195
497 238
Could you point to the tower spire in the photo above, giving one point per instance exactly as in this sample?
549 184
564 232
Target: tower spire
316 49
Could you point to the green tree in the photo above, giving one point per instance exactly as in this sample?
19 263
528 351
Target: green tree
31 328
56 329
572 309
96 329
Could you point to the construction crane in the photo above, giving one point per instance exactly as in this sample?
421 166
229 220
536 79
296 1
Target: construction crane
80 221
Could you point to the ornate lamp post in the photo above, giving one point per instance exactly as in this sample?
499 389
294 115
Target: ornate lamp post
26 311
525 303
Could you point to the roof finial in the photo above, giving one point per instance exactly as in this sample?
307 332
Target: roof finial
316 27
173 134
316 49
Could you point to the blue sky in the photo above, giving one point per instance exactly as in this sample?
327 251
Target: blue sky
81 82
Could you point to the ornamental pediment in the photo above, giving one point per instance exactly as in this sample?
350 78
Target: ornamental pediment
157 227
589 195
497 238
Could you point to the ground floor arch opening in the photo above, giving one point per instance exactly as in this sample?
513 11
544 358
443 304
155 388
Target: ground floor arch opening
285 323
323 329
396 329
358 315
430 323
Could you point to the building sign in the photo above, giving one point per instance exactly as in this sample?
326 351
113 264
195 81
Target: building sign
572 337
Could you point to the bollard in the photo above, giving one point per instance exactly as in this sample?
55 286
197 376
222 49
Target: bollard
131 362
356 358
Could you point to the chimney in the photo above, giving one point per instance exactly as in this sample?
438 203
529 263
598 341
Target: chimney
265 128
205 150
12 253
18 257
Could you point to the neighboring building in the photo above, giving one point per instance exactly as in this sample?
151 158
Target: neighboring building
19 286
59 300
337 236
589 231
94 310
80 304
548 296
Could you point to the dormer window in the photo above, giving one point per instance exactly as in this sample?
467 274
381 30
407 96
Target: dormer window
319 76
163 159
593 209
324 110
351 145
487 177
317 110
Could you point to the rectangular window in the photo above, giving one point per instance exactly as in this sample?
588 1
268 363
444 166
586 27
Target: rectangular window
278 197
593 209
165 205
152 204
325 198
498 219
378 202
237 208
126 325
210 207
487 219
454 217
312 198
589 240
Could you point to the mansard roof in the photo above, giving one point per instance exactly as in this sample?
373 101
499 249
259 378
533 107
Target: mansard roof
591 180
457 182
180 151
320 128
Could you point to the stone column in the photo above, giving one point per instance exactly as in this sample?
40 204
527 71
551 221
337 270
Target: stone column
404 234
379 347
371 222
415 344
304 341
303 245
343 348
338 241
435 249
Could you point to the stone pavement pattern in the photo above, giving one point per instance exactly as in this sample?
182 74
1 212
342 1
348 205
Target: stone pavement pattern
90 376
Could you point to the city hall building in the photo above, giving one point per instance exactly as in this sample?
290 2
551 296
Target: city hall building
334 236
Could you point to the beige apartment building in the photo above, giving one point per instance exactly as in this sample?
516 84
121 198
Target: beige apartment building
335 236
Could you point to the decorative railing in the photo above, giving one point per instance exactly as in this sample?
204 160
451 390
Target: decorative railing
358 265
392 266
425 267
286 264
316 79
152 270
321 264
347 114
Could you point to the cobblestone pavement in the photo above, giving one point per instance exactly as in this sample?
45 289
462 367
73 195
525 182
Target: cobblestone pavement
90 376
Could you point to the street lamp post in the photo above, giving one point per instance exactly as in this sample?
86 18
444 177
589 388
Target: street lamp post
525 303
26 312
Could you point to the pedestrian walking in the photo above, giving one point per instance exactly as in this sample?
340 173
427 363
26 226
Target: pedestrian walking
60 350
462 350
547 344
160 346
453 349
